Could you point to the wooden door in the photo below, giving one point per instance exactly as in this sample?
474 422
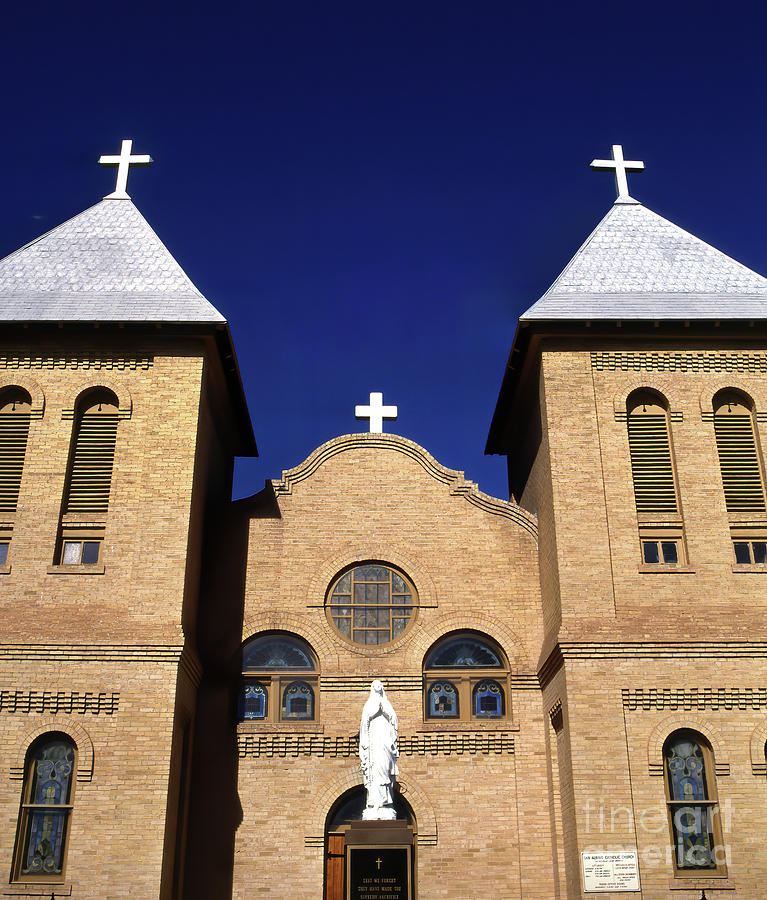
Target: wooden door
334 867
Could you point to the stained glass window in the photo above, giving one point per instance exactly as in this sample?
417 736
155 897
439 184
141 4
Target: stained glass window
488 699
466 677
371 604
691 809
46 807
278 679
298 701
443 700
253 700
464 651
276 652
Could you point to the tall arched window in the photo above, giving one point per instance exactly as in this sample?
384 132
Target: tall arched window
89 479
691 800
15 408
742 480
652 472
279 679
466 677
46 808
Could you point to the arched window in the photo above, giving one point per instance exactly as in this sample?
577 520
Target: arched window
371 603
652 472
691 801
46 808
279 680
15 408
89 478
738 457
466 676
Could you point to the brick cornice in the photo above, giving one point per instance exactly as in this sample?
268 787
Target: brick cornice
455 480
168 653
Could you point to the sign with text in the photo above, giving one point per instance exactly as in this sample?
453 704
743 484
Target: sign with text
379 873
618 871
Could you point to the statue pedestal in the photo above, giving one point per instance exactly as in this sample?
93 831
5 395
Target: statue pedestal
380 863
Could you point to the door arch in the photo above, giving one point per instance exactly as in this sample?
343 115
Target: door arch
348 808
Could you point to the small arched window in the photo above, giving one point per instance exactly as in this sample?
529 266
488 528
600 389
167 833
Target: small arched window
89 478
15 409
691 800
279 680
466 676
738 455
46 808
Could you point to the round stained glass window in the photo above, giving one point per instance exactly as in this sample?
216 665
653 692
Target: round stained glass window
371 604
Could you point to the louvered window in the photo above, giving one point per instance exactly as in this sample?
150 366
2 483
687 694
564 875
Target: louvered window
738 456
92 460
14 429
651 467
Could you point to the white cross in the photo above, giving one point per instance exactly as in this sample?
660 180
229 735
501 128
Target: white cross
376 412
123 162
621 166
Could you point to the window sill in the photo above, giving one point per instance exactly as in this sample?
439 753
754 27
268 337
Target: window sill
665 570
37 889
75 570
468 725
5 570
756 568
698 882
250 727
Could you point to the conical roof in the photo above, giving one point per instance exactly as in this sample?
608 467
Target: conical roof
638 265
105 264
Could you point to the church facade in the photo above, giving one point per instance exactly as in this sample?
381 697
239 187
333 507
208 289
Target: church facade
578 670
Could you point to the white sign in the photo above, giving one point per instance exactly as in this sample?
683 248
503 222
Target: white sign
617 871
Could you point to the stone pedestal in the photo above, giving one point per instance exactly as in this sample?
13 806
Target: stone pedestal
380 863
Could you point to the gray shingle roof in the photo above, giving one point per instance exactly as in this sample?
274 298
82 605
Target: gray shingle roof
638 265
105 264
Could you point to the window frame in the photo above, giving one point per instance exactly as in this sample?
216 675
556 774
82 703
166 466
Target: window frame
465 680
413 606
27 810
712 803
276 681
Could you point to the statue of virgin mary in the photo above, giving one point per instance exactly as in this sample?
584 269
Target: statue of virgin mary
378 753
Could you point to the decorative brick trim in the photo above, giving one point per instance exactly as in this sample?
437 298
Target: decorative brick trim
128 363
758 742
275 621
694 698
509 642
707 395
556 716
68 726
190 665
49 653
659 385
119 389
659 650
70 702
679 361
32 388
673 723
455 480
439 743
342 683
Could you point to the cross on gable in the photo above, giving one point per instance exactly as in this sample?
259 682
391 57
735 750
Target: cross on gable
376 412
123 162
620 166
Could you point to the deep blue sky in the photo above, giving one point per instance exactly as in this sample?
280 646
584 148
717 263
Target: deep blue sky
371 192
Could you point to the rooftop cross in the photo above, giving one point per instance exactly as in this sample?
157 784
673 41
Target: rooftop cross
123 162
376 412
621 166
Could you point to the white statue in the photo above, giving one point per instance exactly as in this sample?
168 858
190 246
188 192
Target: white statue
378 753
